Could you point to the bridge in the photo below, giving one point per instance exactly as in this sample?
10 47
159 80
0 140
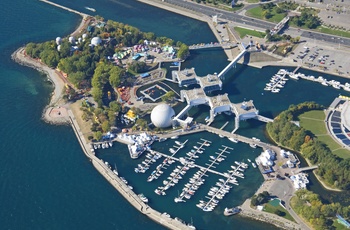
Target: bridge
263 119
212 45
303 169
232 63
279 26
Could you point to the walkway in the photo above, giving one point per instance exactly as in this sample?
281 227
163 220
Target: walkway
233 62
299 170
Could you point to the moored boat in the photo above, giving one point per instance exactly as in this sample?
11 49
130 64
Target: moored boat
231 211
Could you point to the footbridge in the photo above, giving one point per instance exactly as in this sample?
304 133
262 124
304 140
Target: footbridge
279 26
303 169
263 119
212 45
232 63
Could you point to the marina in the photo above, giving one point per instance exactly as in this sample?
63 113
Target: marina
278 80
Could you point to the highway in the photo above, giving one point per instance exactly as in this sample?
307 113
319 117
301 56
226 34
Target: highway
240 19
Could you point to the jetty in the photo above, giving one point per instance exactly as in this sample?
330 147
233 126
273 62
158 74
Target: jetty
65 8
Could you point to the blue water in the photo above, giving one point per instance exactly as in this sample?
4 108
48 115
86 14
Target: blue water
47 182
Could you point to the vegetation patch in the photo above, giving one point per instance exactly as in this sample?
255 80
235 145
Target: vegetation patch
335 32
321 216
278 210
244 32
269 12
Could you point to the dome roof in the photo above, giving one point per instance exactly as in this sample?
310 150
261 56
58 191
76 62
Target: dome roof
161 116
96 41
58 40
71 39
84 36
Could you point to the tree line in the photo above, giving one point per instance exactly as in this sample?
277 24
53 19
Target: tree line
332 169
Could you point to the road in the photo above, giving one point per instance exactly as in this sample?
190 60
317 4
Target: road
240 19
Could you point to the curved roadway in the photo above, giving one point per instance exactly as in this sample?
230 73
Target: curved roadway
234 17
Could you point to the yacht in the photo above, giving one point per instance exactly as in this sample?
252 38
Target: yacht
254 165
234 140
252 145
174 137
143 198
231 211
90 8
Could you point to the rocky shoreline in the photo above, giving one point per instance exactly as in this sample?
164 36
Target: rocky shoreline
54 112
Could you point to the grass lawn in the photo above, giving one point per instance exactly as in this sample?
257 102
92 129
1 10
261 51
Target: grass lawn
243 32
333 32
253 1
314 121
271 209
257 12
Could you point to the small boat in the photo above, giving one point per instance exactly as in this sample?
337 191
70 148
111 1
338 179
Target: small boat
90 8
252 145
231 211
178 143
162 139
174 137
254 165
178 199
234 140
143 198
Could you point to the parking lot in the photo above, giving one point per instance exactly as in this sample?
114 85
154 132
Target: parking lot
331 60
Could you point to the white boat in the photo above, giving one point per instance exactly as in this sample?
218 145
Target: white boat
143 198
174 137
234 140
178 199
249 160
231 211
90 8
252 145
254 165
178 143
162 139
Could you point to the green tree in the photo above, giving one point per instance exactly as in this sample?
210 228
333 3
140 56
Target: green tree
76 78
183 52
98 135
105 126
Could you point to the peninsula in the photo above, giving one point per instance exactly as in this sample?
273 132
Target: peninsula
69 94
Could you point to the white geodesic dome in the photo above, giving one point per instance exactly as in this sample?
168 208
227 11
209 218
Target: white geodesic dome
162 116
